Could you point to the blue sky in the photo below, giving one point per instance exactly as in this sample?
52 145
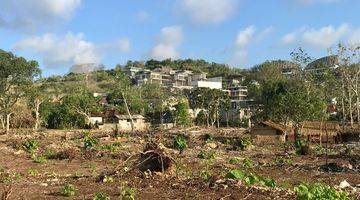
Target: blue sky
241 33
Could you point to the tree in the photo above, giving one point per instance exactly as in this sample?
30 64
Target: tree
83 103
157 99
181 114
292 101
16 75
126 98
36 96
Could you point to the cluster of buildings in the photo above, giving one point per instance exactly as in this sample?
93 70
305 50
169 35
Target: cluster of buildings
176 79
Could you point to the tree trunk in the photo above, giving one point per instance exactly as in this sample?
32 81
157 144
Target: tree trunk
128 112
37 116
351 109
2 121
8 122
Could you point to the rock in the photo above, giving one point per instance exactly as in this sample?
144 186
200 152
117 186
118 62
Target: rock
44 184
344 184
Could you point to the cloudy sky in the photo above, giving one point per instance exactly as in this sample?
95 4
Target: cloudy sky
241 33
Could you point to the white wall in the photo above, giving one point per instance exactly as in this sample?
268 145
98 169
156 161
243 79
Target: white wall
207 84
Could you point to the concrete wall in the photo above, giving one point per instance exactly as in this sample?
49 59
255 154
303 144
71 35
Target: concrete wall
98 119
207 84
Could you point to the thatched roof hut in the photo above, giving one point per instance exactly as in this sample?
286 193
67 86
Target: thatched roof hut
270 132
316 130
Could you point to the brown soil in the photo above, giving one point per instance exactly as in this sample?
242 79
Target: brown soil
89 170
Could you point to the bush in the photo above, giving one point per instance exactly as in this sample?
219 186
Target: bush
207 155
89 142
128 193
250 179
302 147
180 143
248 163
40 160
234 161
319 191
243 143
30 145
68 190
101 196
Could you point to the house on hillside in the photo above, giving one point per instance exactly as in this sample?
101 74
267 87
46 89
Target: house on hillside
124 123
321 131
112 120
271 133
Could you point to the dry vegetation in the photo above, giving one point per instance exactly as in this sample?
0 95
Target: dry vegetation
198 164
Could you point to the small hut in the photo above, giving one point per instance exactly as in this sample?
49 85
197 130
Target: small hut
320 132
270 132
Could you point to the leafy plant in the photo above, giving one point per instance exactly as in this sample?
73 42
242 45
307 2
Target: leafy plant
301 146
101 196
207 155
205 174
68 190
90 142
243 143
234 161
282 161
180 143
128 193
248 163
250 178
40 160
319 191
30 145
111 147
32 172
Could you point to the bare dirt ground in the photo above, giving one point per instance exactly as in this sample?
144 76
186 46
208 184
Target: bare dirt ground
113 164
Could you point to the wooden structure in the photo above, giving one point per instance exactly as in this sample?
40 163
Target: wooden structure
271 132
321 132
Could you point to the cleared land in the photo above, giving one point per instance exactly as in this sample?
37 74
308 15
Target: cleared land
39 165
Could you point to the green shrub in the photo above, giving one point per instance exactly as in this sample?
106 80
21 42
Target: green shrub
205 174
40 160
101 196
68 190
243 143
248 163
282 161
30 145
234 161
90 142
207 155
180 143
111 147
301 146
319 191
32 172
250 178
128 193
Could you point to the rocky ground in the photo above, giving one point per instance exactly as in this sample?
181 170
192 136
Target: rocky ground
147 166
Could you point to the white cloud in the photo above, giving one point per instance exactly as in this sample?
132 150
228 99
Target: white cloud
208 11
320 38
288 38
123 45
143 16
244 39
354 38
32 14
169 39
60 51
